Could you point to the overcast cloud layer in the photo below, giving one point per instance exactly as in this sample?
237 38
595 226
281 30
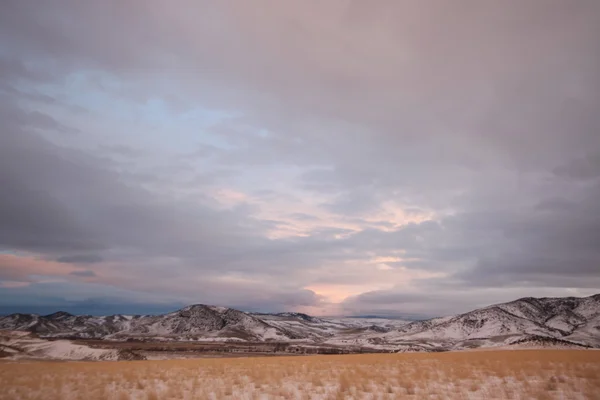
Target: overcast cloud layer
413 158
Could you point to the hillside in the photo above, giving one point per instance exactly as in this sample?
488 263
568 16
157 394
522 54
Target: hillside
572 321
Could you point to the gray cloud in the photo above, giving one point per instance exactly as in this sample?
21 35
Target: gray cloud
303 217
84 273
32 217
587 167
457 139
80 259
434 303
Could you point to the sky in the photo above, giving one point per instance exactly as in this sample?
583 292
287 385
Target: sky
399 158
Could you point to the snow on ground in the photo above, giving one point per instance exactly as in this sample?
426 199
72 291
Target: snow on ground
218 308
65 350
355 322
22 345
540 374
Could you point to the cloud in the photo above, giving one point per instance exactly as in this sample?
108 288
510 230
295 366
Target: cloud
80 259
84 273
25 268
303 217
435 302
13 284
587 167
244 154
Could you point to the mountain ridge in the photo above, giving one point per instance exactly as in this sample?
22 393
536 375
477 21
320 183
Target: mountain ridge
568 320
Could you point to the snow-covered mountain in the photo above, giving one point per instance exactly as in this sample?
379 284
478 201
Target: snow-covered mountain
196 322
322 329
568 321
192 322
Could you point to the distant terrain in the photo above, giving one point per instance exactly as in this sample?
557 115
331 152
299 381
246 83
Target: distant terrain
528 322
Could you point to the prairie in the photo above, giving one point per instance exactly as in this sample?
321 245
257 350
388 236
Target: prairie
523 374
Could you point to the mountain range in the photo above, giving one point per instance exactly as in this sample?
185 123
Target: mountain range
569 321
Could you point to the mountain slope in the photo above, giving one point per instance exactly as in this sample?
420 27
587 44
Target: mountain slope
323 329
569 318
529 319
196 321
204 321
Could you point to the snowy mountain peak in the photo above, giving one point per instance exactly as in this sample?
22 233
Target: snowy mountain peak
565 320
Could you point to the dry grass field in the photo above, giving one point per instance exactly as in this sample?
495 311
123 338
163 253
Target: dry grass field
526 374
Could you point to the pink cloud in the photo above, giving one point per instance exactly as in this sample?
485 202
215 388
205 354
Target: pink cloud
17 270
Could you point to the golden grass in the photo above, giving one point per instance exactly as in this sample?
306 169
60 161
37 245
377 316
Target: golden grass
526 374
